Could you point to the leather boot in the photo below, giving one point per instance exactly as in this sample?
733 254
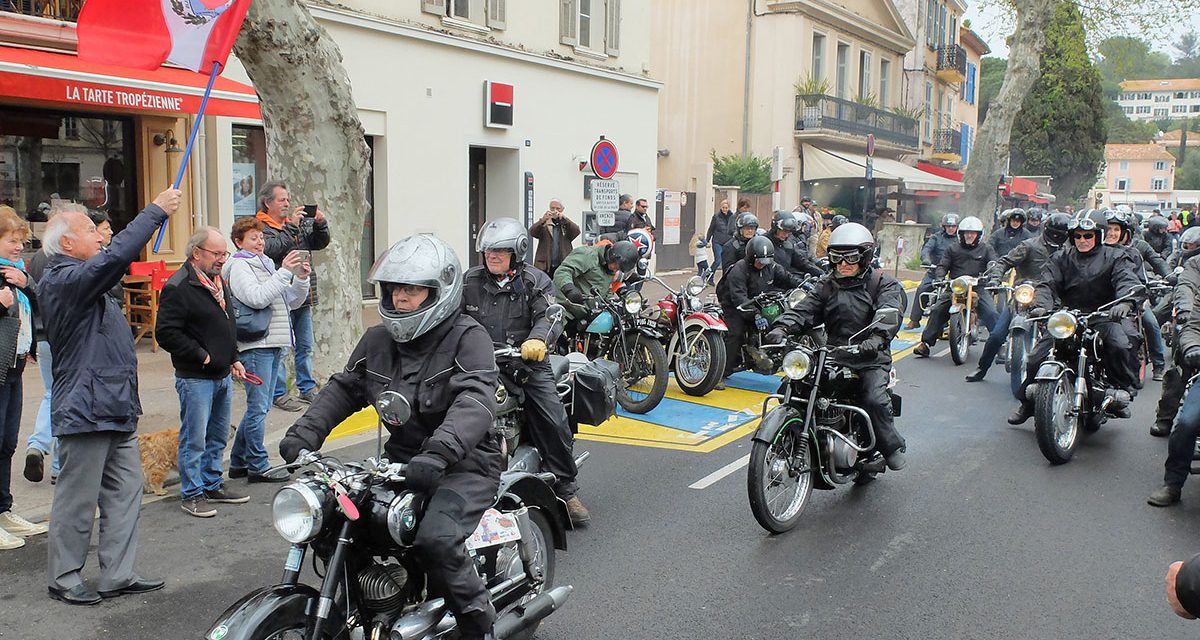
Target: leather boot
978 375
1166 496
921 350
1160 429
578 513
1023 412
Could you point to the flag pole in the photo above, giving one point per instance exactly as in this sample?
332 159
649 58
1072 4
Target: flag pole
187 152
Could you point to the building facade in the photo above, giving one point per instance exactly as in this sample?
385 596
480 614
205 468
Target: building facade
936 73
967 113
1160 99
1139 175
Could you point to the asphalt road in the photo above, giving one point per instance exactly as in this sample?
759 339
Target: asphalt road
978 538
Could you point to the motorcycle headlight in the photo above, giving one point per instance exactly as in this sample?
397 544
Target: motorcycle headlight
298 512
1024 294
960 285
796 297
695 286
1061 324
796 365
633 303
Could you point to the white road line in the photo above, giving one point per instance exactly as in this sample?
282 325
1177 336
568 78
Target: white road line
716 476
942 353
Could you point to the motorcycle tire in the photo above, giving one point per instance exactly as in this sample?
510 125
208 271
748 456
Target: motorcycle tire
698 372
544 545
1057 432
1016 364
771 465
960 340
654 371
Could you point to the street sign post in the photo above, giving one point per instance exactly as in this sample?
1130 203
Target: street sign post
604 159
606 196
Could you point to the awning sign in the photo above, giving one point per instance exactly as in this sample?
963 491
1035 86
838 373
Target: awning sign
84 94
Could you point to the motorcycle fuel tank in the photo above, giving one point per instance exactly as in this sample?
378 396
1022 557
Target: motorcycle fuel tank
602 323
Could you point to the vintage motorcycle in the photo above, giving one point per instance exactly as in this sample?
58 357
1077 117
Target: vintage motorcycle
1023 333
359 521
693 334
817 436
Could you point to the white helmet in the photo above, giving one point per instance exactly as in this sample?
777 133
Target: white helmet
422 260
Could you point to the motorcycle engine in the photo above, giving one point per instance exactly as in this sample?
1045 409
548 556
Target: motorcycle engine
382 587
842 455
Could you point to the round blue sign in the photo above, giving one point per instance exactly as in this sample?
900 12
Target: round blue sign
604 159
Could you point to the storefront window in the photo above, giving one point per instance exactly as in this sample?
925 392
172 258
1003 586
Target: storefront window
47 156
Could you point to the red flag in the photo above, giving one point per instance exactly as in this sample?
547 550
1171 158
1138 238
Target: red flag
144 34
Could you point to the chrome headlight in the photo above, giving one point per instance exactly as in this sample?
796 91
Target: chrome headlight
1024 294
796 365
298 512
960 285
1061 324
694 286
795 297
633 303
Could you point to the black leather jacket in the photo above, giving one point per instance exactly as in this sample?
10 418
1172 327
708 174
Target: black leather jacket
935 247
1028 258
512 313
793 257
1086 281
744 282
960 260
1003 240
845 306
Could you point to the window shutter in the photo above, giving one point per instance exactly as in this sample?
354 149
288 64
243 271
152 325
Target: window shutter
612 28
496 18
568 22
434 6
964 145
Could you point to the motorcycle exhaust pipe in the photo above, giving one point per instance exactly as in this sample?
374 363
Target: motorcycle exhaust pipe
582 458
531 613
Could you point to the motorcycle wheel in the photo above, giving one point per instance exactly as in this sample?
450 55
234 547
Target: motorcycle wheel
285 630
960 340
701 368
542 552
1016 364
643 376
778 494
1057 431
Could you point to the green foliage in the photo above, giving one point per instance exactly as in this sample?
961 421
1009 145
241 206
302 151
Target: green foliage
916 113
869 100
991 76
810 86
1188 176
1131 58
1188 46
914 262
1122 130
751 174
1060 129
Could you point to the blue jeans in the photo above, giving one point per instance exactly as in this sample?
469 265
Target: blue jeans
204 407
1154 337
248 451
1182 441
716 256
302 338
997 333
41 438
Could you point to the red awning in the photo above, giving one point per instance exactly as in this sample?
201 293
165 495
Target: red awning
64 78
1023 186
949 174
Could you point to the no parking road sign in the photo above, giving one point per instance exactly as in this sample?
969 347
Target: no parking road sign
604 159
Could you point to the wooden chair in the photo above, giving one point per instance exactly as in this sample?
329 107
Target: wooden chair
142 287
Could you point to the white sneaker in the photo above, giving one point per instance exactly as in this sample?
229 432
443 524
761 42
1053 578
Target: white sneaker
19 526
9 541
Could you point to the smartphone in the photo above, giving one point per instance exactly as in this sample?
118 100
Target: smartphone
310 210
305 256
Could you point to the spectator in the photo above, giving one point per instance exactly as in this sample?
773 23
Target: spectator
18 300
886 215
284 232
641 218
719 232
256 283
619 229
196 326
1174 226
821 245
95 405
554 233
1183 588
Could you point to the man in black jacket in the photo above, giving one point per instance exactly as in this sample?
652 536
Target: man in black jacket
619 229
1181 442
745 227
1121 232
968 257
1012 233
931 253
754 275
795 259
847 301
441 361
286 230
719 232
197 327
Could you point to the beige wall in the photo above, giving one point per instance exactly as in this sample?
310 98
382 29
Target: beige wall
1141 174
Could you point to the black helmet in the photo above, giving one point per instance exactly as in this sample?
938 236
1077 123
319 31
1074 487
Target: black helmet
1122 219
1017 214
1090 220
949 220
838 221
785 220
746 219
1156 225
624 253
760 249
1056 229
1037 213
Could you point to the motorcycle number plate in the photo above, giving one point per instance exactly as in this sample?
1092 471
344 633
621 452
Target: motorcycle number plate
760 322
494 528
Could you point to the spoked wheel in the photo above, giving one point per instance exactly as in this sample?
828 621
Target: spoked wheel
960 339
780 479
1057 430
643 376
541 563
702 364
1016 363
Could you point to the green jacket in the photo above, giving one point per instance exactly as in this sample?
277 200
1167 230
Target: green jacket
581 269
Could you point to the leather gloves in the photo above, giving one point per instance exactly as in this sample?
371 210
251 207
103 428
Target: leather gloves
533 350
775 336
291 446
424 471
874 344
1119 311
573 293
1192 358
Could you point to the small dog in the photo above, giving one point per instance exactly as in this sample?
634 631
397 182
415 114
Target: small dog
160 454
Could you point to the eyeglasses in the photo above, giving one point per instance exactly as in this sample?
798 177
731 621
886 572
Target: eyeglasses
849 257
1083 236
409 289
215 254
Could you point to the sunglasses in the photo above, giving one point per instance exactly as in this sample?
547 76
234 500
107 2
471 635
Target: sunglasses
1083 236
849 257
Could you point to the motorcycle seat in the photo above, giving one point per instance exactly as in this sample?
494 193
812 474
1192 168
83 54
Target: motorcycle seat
559 365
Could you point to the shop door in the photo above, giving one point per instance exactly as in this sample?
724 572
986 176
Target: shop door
477 199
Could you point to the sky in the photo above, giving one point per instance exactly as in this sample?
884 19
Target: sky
993 25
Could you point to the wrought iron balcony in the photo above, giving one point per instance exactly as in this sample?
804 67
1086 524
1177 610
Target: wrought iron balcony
952 63
947 144
65 10
821 113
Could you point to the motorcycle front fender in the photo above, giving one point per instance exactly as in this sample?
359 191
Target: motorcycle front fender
265 611
1020 324
704 321
1050 370
519 489
773 422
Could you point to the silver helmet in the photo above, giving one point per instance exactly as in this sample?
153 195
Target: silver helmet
422 260
504 233
851 234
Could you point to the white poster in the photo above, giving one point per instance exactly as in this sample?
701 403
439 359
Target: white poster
244 189
672 207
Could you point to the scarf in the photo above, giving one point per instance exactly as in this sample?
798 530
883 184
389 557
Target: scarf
214 286
25 337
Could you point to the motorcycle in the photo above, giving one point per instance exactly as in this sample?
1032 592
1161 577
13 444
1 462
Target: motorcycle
767 308
817 436
693 334
1070 391
1022 335
962 330
359 520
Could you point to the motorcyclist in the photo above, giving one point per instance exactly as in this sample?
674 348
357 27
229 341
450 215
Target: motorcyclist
1182 440
1013 232
509 298
784 229
968 257
1158 237
1189 245
757 273
931 253
806 222
441 360
591 272
1120 232
1029 261
745 227
1037 216
846 302
1177 312
1085 276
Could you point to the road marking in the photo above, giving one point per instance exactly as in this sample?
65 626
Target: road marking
942 352
718 475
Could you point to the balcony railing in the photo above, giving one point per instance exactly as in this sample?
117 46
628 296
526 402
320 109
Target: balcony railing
65 10
947 144
815 112
952 63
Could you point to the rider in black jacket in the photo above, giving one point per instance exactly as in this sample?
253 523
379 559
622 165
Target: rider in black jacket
1182 441
1086 276
846 301
755 274
1177 310
793 257
1121 233
1011 234
969 257
1158 237
745 227
931 253
441 360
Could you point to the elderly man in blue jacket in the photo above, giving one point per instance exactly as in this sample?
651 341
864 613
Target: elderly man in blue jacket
94 404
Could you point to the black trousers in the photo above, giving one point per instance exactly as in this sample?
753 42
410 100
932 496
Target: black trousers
549 429
875 401
451 516
738 323
1182 441
1118 353
939 316
1173 386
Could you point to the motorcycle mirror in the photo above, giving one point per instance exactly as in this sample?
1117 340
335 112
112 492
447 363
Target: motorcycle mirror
643 267
393 408
554 313
887 315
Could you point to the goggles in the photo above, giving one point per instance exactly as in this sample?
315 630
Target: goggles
1085 224
851 256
